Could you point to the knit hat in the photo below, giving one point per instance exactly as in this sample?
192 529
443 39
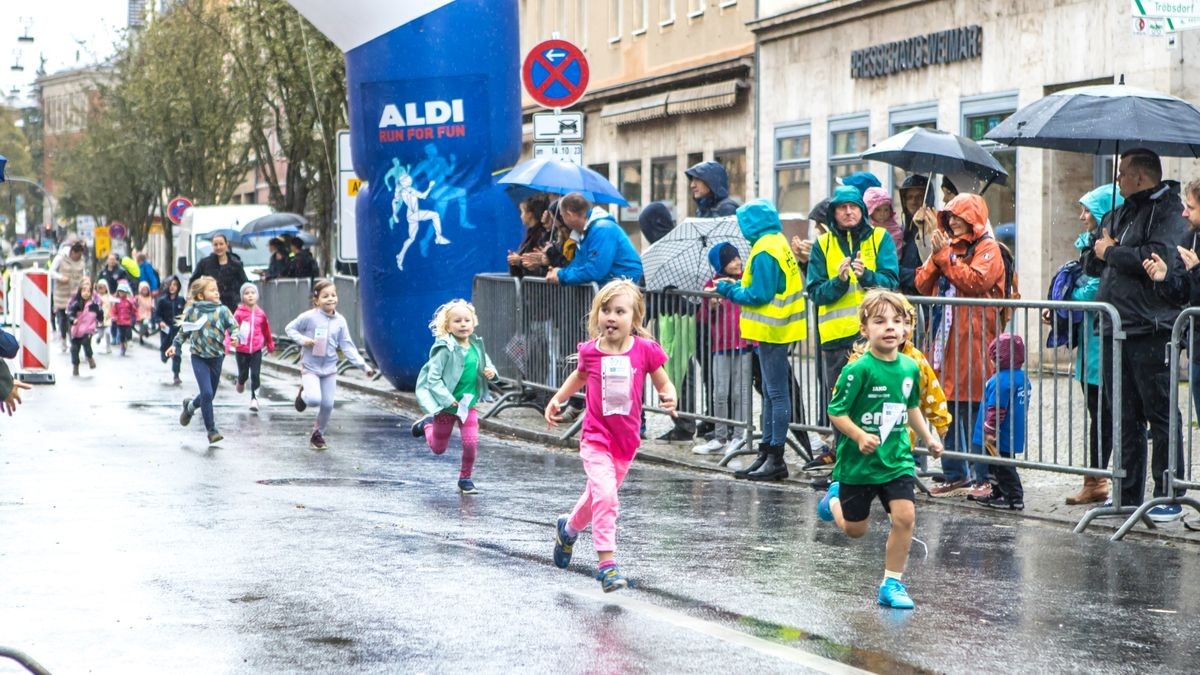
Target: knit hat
1007 351
123 287
877 197
721 255
242 290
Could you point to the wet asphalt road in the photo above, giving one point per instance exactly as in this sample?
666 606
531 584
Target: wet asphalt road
132 546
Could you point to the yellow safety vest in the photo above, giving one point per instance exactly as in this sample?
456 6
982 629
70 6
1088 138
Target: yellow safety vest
840 319
783 319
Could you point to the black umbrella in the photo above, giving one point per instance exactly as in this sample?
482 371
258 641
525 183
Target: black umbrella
274 221
1105 120
920 150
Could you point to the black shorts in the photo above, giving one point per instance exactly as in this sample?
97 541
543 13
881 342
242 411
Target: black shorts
856 499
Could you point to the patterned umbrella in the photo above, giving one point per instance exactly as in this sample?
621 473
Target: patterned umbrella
680 258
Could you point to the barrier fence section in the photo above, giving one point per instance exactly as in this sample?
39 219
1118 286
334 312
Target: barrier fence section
350 306
1179 474
284 300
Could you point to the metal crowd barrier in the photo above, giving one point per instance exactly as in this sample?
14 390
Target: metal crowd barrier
1180 475
284 300
350 306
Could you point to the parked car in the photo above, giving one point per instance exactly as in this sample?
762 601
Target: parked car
39 258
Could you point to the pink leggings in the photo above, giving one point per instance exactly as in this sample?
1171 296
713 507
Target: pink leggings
437 435
599 504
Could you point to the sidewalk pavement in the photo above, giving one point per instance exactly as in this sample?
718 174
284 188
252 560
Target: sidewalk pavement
1044 491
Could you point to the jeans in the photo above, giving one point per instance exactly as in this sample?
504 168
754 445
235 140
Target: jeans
777 408
731 381
208 376
958 439
1194 385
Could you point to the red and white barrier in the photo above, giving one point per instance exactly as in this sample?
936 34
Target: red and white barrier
35 327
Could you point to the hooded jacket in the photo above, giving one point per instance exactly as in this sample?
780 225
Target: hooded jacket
229 276
862 181
768 276
604 254
960 345
718 202
1150 221
72 272
655 221
85 315
441 373
254 331
169 308
824 290
1087 357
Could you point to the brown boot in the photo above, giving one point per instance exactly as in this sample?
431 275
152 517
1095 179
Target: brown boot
1094 490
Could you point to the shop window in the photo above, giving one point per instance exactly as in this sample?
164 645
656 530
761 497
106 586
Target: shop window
666 13
793 169
848 139
693 159
614 20
641 16
601 169
630 176
664 181
734 162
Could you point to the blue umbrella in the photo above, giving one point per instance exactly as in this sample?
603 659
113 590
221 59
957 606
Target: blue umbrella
558 176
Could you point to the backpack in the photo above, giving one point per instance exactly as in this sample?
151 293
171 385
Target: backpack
1011 289
1064 324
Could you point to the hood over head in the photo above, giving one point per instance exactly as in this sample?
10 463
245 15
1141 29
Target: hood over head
721 255
655 221
845 194
1007 351
714 176
861 180
166 284
123 287
969 207
1100 201
758 218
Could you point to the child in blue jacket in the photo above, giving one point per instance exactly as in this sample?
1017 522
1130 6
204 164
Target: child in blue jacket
1001 426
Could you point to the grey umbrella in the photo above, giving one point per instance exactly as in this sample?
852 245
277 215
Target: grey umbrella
1105 120
920 150
274 221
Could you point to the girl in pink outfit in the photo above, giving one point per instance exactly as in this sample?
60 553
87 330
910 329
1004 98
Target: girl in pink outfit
145 310
254 334
882 214
613 365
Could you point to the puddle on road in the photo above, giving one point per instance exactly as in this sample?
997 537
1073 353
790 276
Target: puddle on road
331 482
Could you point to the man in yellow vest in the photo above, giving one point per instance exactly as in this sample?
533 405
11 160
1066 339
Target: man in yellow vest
852 257
771 295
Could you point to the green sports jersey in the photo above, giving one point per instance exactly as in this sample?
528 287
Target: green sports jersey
876 395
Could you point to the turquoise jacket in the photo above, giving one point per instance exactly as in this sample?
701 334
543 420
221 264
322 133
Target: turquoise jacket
756 220
441 373
1087 357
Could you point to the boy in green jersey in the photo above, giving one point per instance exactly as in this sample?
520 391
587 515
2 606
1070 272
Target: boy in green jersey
876 397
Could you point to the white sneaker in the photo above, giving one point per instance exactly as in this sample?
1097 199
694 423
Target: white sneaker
712 447
254 405
730 446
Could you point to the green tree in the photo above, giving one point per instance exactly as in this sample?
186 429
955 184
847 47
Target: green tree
14 146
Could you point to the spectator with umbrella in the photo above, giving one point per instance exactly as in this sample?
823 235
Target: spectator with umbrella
537 236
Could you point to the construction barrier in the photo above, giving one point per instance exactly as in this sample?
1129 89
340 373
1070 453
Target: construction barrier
35 327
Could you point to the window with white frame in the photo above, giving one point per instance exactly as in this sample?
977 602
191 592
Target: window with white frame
666 13
695 8
981 114
614 20
902 119
581 24
793 168
641 16
848 139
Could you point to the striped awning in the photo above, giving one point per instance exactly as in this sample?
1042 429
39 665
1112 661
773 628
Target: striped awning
635 110
703 98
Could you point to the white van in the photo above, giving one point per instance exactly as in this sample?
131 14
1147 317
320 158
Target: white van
191 245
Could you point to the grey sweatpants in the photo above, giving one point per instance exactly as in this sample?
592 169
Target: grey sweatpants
731 380
320 390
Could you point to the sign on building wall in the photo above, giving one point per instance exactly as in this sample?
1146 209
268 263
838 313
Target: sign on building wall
947 46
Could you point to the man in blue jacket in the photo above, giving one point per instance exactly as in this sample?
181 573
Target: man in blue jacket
604 253
850 258
709 184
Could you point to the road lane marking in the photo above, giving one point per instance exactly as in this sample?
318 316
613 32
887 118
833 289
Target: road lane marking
716 630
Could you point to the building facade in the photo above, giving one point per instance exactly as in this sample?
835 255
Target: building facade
671 85
836 76
65 99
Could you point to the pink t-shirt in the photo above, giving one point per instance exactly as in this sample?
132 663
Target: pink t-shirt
619 429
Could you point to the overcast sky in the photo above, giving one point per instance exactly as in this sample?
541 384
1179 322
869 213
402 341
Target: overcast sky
69 33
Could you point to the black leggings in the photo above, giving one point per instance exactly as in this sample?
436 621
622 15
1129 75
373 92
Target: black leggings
86 343
249 367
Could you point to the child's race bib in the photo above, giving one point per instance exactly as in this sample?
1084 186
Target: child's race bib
320 341
244 333
616 378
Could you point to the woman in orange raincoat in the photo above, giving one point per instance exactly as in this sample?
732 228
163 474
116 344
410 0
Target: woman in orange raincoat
966 263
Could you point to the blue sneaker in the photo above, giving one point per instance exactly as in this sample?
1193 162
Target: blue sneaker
562 543
610 579
894 594
823 511
1165 513
467 486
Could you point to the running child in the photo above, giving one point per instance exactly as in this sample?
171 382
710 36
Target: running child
85 316
874 398
106 300
205 322
613 364
321 332
145 312
1000 428
451 383
254 334
170 306
124 314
